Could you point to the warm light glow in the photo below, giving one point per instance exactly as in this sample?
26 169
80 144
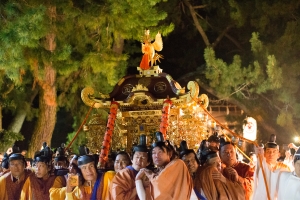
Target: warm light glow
296 139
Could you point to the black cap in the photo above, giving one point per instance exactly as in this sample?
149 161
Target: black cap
184 149
15 149
159 140
83 150
61 153
82 160
44 155
5 162
142 146
16 156
213 138
223 142
271 145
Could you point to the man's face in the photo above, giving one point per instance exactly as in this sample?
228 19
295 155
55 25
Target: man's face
89 172
140 160
297 168
121 162
160 157
190 161
271 155
228 155
17 168
216 162
42 170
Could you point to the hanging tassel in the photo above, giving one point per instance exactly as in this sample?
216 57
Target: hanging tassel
165 117
108 134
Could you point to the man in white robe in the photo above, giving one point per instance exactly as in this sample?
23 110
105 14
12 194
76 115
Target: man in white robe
272 169
289 183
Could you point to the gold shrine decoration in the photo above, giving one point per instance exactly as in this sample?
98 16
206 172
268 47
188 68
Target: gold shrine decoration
108 134
165 117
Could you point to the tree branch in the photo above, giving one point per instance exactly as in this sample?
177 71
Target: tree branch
196 22
237 44
200 7
219 38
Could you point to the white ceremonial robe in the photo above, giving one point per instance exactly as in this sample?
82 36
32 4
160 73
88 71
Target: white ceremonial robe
288 186
260 191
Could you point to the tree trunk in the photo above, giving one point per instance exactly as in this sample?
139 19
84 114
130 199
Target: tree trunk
43 130
1 117
18 120
118 45
47 111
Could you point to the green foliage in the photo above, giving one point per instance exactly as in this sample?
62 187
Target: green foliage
8 138
256 44
84 37
236 78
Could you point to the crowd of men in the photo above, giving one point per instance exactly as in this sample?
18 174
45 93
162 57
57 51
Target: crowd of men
161 172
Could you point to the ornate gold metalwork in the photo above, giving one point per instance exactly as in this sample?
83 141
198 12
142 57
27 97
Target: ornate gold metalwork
139 87
140 114
203 100
87 96
194 91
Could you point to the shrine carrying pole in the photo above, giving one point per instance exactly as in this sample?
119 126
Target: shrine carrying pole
80 127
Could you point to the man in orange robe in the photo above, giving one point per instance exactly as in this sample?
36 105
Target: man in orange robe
234 170
38 184
93 184
12 182
123 184
171 180
210 183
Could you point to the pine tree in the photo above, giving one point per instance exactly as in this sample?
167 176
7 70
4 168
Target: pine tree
251 57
